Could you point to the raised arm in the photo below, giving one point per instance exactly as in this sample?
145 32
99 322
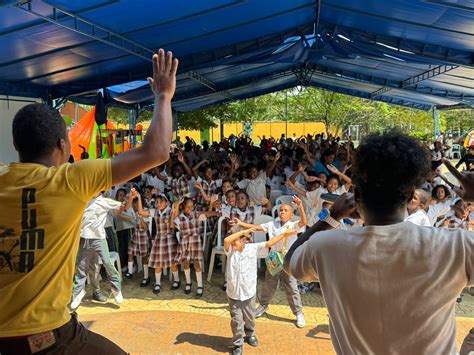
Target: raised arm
235 236
270 168
203 193
344 206
303 221
296 188
186 167
285 234
248 225
156 143
347 180
141 211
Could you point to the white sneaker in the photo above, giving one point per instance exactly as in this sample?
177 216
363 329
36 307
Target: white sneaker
300 322
76 301
118 296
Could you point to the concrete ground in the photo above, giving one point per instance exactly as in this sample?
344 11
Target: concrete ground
175 323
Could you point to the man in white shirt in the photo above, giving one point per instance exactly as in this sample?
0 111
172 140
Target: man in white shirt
370 274
242 283
275 228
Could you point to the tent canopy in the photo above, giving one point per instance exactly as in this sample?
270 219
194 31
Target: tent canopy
416 53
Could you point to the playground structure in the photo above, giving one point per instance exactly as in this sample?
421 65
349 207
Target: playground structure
104 141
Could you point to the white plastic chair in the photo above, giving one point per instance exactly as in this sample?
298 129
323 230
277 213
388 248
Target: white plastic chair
203 219
217 250
456 151
260 236
274 195
284 200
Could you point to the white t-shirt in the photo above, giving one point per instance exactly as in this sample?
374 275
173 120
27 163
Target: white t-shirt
375 281
438 210
95 217
241 270
275 228
420 218
151 180
255 188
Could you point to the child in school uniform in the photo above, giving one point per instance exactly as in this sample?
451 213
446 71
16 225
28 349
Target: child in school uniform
254 185
242 258
165 245
417 207
190 247
275 228
139 245
181 179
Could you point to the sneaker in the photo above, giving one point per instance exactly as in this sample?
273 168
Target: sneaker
261 310
118 296
300 322
99 297
252 341
76 301
237 350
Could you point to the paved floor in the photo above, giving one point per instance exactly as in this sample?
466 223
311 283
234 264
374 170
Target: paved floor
175 323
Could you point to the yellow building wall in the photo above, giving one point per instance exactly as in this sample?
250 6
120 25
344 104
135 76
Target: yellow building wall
267 129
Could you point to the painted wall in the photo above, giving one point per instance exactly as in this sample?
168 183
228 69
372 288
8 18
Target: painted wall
9 106
268 129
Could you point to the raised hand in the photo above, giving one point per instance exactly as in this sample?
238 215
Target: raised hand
333 169
466 180
163 82
180 156
297 201
344 206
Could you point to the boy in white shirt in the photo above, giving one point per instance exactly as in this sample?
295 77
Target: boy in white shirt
417 207
242 260
275 228
93 244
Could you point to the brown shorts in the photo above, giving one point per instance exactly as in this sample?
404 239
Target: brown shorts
71 338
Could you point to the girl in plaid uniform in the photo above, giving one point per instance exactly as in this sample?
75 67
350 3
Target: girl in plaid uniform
139 245
207 187
245 211
165 245
190 248
180 179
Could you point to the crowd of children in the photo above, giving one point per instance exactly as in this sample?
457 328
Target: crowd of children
167 218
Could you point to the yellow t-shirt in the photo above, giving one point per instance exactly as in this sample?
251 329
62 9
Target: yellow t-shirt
40 217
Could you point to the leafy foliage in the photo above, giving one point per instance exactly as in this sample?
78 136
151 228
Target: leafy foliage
301 104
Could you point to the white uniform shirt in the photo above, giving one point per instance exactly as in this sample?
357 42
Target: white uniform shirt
95 217
275 228
126 220
438 210
242 271
420 218
255 188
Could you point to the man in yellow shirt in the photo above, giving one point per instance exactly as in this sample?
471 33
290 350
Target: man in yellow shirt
43 199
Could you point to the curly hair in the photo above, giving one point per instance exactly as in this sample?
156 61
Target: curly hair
37 129
388 167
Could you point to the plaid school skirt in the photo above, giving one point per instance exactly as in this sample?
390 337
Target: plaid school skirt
189 249
139 244
163 251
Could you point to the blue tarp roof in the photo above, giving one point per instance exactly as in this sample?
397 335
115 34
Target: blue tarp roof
408 52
